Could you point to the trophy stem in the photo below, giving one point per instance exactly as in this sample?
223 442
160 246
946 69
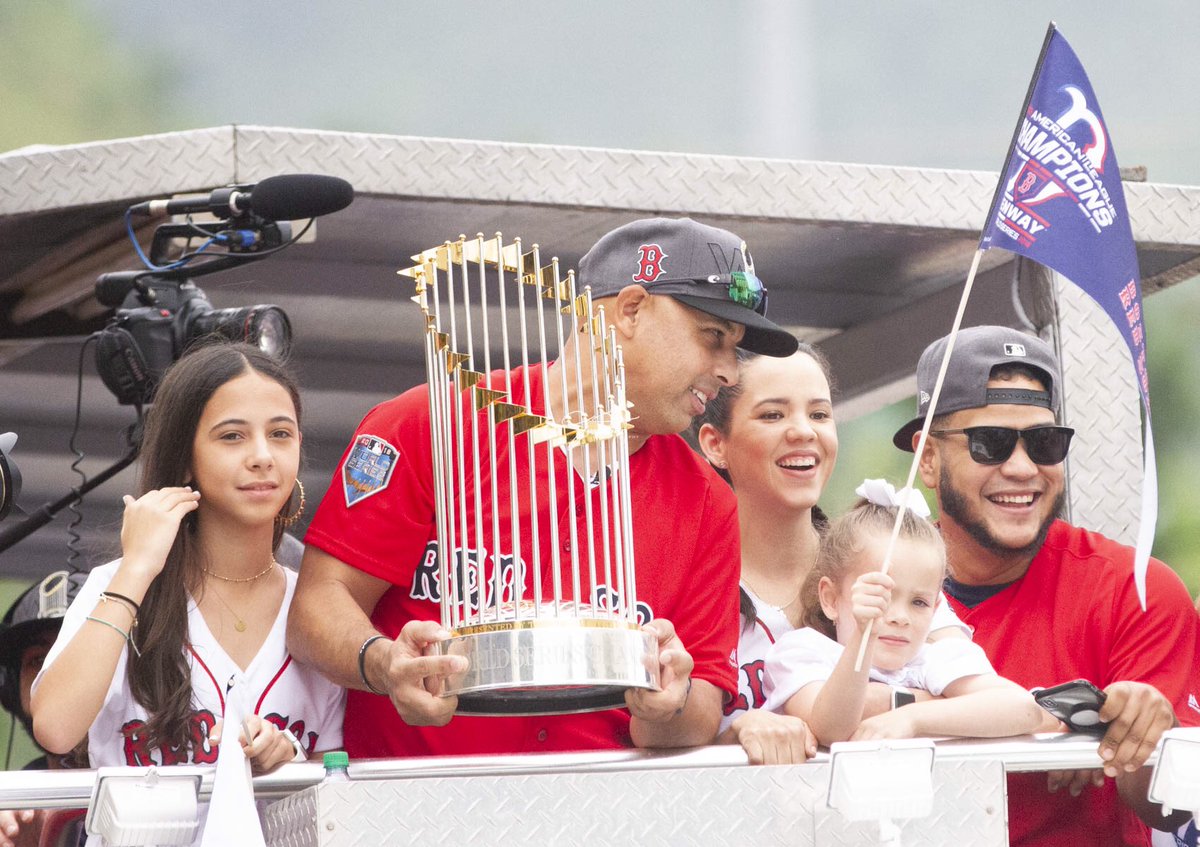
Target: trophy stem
568 421
519 575
555 548
469 380
587 419
461 567
483 403
629 587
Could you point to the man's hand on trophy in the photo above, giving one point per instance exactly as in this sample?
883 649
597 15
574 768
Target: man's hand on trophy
674 678
415 681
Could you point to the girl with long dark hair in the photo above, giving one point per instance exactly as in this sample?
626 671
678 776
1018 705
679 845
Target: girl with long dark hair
158 642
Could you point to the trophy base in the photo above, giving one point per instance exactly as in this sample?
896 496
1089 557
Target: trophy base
549 667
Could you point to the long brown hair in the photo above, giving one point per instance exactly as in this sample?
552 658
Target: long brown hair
843 539
160 678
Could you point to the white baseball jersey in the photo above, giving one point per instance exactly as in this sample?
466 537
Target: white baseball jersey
755 641
284 692
805 655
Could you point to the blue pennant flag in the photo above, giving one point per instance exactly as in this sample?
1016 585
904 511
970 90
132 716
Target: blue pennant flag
1060 202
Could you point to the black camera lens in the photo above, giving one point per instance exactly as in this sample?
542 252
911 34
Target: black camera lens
266 327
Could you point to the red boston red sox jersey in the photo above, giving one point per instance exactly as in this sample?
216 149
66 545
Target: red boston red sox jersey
379 517
1075 614
284 692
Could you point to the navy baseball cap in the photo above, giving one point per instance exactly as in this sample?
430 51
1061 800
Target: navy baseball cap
977 350
702 266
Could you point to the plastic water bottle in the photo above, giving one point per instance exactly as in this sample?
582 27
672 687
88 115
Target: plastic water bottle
337 763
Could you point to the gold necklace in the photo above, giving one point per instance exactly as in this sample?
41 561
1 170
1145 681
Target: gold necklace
257 576
238 623
762 597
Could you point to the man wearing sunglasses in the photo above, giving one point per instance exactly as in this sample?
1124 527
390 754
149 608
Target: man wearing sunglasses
681 297
1050 602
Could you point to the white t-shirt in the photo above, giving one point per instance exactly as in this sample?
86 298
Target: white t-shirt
755 642
805 656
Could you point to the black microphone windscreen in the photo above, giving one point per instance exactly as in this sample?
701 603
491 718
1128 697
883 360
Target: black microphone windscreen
290 197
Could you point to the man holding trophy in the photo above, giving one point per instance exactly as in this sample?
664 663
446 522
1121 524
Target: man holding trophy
483 527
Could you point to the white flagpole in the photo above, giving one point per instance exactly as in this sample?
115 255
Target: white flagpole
912 471
1145 540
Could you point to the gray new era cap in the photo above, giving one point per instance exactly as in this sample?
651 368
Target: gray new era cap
977 350
699 265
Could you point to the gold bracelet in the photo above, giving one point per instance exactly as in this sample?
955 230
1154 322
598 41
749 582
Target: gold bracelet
128 638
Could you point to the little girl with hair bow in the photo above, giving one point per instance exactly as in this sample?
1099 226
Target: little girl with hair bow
947 687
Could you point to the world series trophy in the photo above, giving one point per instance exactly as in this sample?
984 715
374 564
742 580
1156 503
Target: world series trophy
534 535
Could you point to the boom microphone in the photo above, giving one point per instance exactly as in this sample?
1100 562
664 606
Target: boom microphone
287 197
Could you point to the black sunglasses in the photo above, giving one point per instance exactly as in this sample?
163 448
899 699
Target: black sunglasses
992 445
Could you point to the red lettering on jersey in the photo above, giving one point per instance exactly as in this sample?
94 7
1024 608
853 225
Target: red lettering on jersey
297 728
755 671
199 750
173 755
204 752
650 263
135 749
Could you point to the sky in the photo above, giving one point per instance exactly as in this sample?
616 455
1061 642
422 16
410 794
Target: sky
928 84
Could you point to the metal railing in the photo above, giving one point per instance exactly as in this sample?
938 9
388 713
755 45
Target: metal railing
73 788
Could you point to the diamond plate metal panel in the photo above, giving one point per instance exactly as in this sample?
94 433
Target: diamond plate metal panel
1163 213
670 182
592 177
292 822
33 180
1101 401
692 806
85 174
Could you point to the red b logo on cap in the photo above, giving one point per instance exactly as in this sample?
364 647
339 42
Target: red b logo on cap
650 259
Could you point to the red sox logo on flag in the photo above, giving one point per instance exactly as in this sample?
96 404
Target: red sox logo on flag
650 263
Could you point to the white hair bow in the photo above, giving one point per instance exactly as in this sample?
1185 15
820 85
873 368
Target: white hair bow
883 493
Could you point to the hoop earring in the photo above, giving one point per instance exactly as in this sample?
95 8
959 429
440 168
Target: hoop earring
294 516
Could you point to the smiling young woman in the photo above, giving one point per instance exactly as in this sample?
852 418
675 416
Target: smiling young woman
773 436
